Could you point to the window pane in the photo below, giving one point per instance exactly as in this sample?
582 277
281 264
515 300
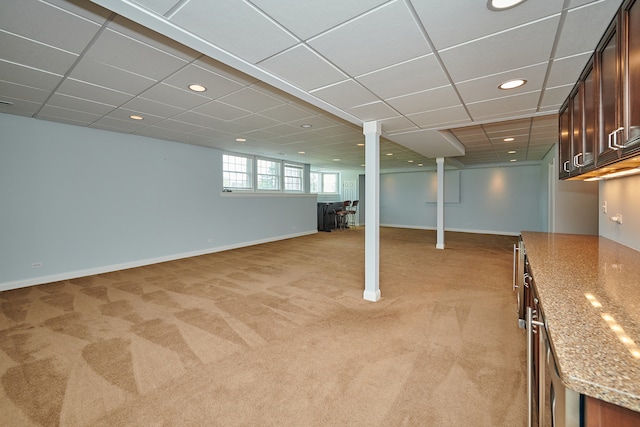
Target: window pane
268 175
293 178
330 183
236 172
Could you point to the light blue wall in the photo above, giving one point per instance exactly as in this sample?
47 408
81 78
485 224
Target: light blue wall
503 200
82 201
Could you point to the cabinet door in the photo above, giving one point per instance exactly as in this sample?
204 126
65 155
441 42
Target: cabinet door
590 107
577 142
565 142
631 13
609 82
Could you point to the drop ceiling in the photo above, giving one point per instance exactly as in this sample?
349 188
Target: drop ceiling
427 70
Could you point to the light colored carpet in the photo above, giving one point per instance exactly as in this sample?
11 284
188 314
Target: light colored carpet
274 335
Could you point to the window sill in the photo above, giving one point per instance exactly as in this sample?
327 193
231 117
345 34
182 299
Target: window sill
263 194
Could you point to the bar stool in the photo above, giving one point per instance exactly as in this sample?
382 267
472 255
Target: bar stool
342 215
352 213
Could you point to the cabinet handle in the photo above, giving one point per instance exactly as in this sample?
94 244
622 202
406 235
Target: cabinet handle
515 260
611 146
576 163
615 138
531 314
565 166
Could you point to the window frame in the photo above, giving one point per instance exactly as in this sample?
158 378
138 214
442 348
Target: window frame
321 182
250 172
253 175
278 164
296 166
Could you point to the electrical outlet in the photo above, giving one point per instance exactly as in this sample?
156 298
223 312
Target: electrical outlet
36 265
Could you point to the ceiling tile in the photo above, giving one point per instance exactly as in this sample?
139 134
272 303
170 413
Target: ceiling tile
85 9
439 118
77 116
225 29
303 67
180 98
306 19
251 100
124 52
565 71
459 21
373 111
79 104
502 51
555 97
31 19
221 111
146 106
415 75
594 16
92 92
442 97
216 84
487 87
105 75
25 93
348 93
384 37
158 6
285 113
28 77
36 55
509 106
19 107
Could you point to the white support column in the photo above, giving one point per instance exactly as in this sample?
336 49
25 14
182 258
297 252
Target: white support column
371 131
440 204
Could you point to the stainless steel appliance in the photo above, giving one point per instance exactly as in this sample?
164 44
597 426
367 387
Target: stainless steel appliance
550 404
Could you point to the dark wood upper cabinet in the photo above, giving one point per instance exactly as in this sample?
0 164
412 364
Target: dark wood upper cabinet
610 94
590 116
565 142
600 121
631 19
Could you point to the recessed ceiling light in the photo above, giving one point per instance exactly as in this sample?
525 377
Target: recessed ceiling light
306 126
409 161
197 88
420 164
512 152
134 117
361 145
363 165
513 160
498 5
241 139
509 139
301 152
336 160
512 84
389 154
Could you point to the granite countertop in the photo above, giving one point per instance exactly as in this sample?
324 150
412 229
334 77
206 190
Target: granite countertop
589 291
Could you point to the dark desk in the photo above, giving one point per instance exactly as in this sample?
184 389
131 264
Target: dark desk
326 215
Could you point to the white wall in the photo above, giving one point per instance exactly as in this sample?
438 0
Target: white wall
501 200
623 197
82 201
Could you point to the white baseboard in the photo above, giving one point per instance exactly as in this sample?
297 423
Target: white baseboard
139 263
